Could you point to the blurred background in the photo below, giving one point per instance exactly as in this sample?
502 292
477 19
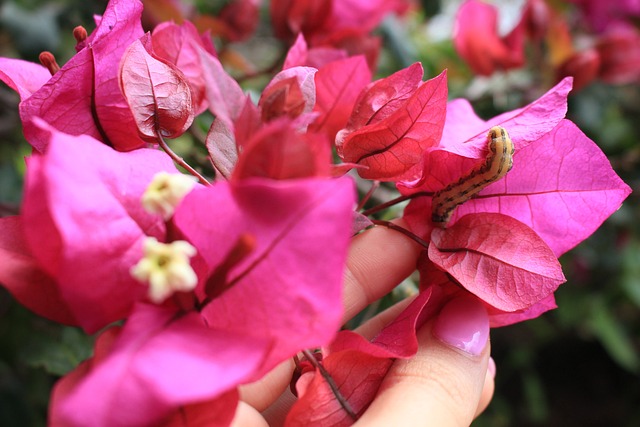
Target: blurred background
578 365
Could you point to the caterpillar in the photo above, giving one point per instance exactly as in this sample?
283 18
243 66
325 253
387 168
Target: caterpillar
498 162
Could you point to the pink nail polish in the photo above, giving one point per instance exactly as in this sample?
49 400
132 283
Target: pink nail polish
463 323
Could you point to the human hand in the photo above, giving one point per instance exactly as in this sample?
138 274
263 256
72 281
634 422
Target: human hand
447 383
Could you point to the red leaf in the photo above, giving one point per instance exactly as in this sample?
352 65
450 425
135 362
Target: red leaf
290 93
384 97
225 97
497 258
160 362
358 367
178 44
391 147
157 92
218 412
359 376
338 84
278 151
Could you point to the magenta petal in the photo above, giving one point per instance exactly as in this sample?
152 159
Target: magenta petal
289 287
498 259
84 222
338 85
563 187
22 76
224 95
161 361
24 279
465 134
83 98
498 318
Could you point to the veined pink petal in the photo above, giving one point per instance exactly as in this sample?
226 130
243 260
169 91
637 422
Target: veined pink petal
482 253
562 186
358 367
84 98
178 45
338 85
392 147
22 76
161 361
279 290
157 92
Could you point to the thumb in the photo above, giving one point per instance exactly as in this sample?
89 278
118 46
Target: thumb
442 385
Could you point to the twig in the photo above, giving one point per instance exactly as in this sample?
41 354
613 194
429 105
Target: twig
179 160
402 230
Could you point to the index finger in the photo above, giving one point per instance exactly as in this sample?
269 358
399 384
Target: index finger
379 259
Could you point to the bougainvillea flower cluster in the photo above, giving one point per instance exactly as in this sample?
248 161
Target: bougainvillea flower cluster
200 284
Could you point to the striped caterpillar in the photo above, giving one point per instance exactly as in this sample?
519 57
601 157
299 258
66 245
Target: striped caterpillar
498 162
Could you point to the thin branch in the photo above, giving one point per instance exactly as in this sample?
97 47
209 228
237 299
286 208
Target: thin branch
402 230
179 160
365 199
395 201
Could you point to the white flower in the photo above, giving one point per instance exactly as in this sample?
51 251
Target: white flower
166 268
165 193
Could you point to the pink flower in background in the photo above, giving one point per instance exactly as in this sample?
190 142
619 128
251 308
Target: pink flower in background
477 41
601 14
331 25
619 51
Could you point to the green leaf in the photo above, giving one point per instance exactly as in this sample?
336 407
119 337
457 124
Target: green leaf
59 355
614 337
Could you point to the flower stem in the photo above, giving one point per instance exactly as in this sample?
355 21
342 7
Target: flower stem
179 160
395 201
402 230
365 199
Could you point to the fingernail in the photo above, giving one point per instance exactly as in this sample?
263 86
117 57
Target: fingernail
464 324
491 367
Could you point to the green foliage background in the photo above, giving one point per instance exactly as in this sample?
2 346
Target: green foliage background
578 365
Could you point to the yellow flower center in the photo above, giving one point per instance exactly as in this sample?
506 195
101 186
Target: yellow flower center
165 193
166 268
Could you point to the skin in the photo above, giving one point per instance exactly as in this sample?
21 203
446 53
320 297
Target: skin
441 386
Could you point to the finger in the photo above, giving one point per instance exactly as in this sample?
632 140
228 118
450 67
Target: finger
488 389
443 384
264 392
248 416
378 260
